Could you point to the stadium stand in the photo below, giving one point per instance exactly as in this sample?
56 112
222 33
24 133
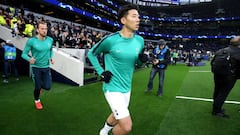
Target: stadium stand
187 28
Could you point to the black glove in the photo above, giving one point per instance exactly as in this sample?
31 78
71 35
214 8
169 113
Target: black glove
106 76
143 57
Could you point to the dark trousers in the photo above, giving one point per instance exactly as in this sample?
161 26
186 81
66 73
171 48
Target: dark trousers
42 80
222 88
9 65
161 74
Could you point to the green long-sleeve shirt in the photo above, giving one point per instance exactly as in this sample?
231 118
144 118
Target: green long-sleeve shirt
120 57
41 50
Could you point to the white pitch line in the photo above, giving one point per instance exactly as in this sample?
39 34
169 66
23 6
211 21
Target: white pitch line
205 99
199 71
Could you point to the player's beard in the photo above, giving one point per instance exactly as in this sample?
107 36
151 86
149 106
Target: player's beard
44 34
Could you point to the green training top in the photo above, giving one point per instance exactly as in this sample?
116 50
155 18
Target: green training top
41 50
120 57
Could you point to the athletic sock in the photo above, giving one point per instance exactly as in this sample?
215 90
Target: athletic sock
37 100
107 127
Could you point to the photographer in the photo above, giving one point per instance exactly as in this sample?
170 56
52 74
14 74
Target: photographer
161 59
225 78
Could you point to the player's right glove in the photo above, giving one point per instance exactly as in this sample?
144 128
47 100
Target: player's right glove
106 76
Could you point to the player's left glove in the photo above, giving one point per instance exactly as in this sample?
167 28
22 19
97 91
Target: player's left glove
106 76
143 57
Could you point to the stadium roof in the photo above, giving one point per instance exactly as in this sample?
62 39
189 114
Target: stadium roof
166 2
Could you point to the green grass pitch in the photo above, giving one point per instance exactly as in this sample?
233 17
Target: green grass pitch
70 110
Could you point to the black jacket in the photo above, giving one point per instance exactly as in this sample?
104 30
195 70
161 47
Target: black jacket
235 59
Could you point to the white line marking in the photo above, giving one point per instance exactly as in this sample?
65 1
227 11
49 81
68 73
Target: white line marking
205 99
199 71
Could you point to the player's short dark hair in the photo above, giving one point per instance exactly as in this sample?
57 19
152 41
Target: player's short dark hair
41 22
123 11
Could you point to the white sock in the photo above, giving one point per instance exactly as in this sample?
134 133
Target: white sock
107 127
37 100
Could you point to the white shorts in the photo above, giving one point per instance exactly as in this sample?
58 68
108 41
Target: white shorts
118 103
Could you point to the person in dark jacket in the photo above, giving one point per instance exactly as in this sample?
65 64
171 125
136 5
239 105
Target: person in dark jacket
224 81
10 54
161 56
